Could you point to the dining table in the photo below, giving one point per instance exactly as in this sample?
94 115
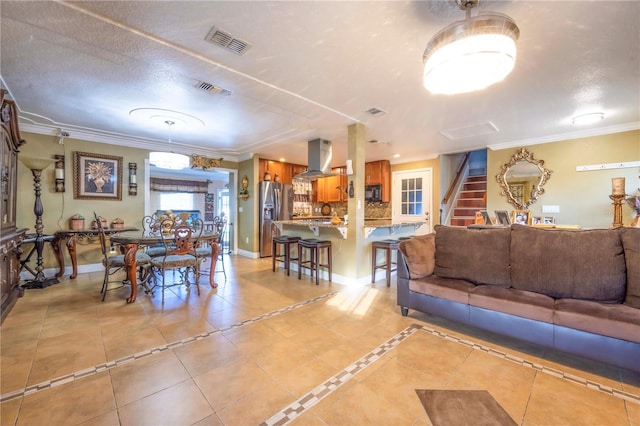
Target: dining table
132 241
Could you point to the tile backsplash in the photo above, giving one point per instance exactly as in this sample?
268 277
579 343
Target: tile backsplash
371 210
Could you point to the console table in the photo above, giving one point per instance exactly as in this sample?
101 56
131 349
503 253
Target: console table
72 236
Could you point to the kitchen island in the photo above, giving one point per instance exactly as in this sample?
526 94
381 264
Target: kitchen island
351 244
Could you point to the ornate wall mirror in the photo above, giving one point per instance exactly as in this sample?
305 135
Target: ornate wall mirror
522 179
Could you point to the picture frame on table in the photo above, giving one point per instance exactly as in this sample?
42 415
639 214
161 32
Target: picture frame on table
97 176
522 217
549 220
485 216
537 220
502 217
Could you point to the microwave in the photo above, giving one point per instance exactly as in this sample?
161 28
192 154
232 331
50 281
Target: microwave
373 193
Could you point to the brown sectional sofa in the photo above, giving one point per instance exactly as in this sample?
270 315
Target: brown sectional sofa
575 291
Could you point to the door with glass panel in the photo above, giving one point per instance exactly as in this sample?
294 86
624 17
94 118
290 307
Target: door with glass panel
412 198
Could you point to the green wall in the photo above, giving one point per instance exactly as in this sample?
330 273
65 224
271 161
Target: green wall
583 197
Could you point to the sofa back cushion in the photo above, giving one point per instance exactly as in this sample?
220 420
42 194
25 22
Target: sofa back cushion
587 265
477 255
419 255
631 244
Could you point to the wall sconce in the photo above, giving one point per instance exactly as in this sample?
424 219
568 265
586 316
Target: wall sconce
244 190
133 179
59 170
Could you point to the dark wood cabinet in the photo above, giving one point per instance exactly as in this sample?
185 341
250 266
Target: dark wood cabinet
11 238
285 171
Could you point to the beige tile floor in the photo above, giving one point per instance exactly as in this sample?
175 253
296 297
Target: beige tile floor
251 366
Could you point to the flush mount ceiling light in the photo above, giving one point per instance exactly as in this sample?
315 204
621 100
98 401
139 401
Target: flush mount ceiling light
590 118
471 54
168 160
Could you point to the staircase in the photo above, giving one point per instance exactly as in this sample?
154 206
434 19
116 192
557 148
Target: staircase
472 198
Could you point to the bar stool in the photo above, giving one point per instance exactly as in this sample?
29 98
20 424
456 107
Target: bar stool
284 256
389 246
314 248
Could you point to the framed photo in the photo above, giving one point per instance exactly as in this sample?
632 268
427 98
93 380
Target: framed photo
485 216
97 176
522 217
537 220
549 220
502 217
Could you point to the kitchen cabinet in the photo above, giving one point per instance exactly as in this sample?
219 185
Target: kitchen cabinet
331 189
379 172
285 171
10 237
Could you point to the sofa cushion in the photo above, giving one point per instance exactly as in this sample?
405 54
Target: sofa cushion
586 265
613 320
477 255
520 303
631 243
420 255
444 288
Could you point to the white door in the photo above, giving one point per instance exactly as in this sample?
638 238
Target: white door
412 200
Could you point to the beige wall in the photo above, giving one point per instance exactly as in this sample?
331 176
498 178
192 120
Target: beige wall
248 217
583 197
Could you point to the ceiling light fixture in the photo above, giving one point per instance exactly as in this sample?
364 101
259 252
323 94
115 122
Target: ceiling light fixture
471 54
168 160
590 118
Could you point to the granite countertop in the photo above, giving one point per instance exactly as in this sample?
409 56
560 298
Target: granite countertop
325 222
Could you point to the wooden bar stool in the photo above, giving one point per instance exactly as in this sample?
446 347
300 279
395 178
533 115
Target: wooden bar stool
389 246
284 256
314 248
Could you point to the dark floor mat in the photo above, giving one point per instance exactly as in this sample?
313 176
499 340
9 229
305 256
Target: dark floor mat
463 407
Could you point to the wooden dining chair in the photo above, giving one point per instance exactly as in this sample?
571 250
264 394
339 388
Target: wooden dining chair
204 250
180 243
114 263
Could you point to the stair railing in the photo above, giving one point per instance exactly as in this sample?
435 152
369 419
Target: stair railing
454 187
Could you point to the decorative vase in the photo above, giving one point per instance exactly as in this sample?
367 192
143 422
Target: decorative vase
267 176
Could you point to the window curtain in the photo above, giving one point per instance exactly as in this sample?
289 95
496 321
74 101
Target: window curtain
177 185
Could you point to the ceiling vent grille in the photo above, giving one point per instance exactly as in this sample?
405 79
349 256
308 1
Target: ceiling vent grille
212 88
376 112
227 41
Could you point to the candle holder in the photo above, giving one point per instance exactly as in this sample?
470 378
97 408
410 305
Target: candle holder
59 173
37 165
133 179
617 209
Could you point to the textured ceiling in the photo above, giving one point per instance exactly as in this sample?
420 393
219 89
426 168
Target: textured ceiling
312 69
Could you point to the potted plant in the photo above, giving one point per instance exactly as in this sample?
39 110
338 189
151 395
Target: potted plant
76 222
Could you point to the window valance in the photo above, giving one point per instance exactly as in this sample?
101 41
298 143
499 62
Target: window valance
178 185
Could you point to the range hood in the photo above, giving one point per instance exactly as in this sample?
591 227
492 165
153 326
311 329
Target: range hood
318 160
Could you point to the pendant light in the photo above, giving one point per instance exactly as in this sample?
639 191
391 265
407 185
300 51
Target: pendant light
471 54
168 160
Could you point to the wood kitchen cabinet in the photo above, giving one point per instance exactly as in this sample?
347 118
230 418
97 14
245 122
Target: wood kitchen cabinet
379 172
331 189
10 237
285 171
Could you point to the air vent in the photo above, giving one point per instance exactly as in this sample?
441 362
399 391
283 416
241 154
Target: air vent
227 41
375 112
212 88
470 131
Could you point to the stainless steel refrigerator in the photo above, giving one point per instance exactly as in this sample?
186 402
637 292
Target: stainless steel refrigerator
276 203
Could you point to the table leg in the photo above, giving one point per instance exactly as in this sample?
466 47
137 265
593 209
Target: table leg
71 248
215 252
130 262
57 249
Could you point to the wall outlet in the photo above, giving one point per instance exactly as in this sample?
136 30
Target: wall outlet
240 209
246 240
550 209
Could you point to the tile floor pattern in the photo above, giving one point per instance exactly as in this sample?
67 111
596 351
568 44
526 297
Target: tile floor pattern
261 346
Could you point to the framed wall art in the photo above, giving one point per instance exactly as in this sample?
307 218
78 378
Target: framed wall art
97 176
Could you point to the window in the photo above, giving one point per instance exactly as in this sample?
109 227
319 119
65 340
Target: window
177 201
411 201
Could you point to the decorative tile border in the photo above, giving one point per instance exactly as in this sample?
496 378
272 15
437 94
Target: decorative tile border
159 349
310 399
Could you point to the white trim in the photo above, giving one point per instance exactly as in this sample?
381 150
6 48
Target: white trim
608 166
